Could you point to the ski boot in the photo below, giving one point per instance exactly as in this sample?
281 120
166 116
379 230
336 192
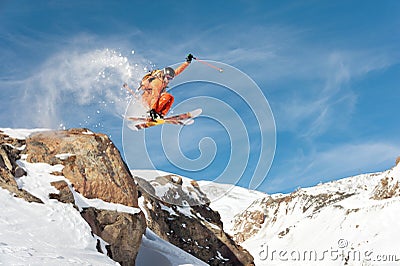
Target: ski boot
154 115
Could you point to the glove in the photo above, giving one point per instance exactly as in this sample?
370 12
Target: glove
189 58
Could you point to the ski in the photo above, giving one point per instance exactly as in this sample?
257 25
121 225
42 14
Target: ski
185 122
179 119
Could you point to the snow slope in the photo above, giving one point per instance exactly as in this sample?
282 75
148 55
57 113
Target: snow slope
45 234
229 200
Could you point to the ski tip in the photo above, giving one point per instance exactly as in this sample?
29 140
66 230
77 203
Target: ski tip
196 112
133 127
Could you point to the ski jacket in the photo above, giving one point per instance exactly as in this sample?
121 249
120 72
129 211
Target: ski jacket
153 85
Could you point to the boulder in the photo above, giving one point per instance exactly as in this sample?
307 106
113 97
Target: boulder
91 163
119 230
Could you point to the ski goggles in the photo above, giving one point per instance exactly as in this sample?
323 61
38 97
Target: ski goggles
168 77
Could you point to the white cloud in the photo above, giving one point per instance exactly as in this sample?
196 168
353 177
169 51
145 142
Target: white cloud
327 98
76 85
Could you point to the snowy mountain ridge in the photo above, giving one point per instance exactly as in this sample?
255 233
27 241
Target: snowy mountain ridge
354 218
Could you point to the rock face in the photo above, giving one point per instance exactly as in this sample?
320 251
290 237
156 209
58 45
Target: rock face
387 188
64 195
10 150
193 226
119 230
122 231
91 162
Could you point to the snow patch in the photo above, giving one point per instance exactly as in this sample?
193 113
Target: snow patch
168 209
38 178
185 211
21 133
87 132
64 156
99 204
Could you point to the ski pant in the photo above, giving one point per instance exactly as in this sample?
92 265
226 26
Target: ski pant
164 103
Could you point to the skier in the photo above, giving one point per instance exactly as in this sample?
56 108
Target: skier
154 86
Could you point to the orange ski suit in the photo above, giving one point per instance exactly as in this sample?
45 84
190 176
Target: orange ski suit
154 90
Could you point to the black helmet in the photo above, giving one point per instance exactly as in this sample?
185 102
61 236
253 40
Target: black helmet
168 71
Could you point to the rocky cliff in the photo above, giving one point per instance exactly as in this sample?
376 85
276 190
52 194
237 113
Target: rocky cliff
178 211
92 167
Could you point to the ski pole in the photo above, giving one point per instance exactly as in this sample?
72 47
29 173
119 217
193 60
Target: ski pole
208 64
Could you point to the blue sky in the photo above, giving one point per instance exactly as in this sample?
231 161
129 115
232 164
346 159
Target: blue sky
329 70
